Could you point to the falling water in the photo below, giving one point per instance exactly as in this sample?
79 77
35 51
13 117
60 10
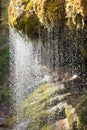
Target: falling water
45 60
24 65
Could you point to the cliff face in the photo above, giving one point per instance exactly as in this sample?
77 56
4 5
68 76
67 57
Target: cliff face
49 13
29 16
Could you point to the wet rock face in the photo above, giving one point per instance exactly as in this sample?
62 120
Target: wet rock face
49 13
31 16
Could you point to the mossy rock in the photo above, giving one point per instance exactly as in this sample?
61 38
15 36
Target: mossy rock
22 17
76 13
72 117
48 13
82 113
77 118
11 120
44 107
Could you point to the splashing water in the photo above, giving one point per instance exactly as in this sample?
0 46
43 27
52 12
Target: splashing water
24 66
45 60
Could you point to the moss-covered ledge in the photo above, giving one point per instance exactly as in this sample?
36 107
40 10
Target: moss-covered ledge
44 106
23 18
27 15
82 113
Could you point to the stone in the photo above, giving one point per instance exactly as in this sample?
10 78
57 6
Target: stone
22 126
3 121
62 125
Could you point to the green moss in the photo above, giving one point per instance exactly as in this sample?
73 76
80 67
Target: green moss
82 42
3 39
32 26
4 70
82 113
11 120
4 13
50 13
43 107
34 99
76 13
83 50
72 118
5 96
4 64
24 19
50 127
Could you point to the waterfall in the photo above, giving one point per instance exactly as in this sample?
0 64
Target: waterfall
49 59
24 65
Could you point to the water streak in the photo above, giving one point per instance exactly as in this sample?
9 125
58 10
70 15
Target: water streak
24 65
